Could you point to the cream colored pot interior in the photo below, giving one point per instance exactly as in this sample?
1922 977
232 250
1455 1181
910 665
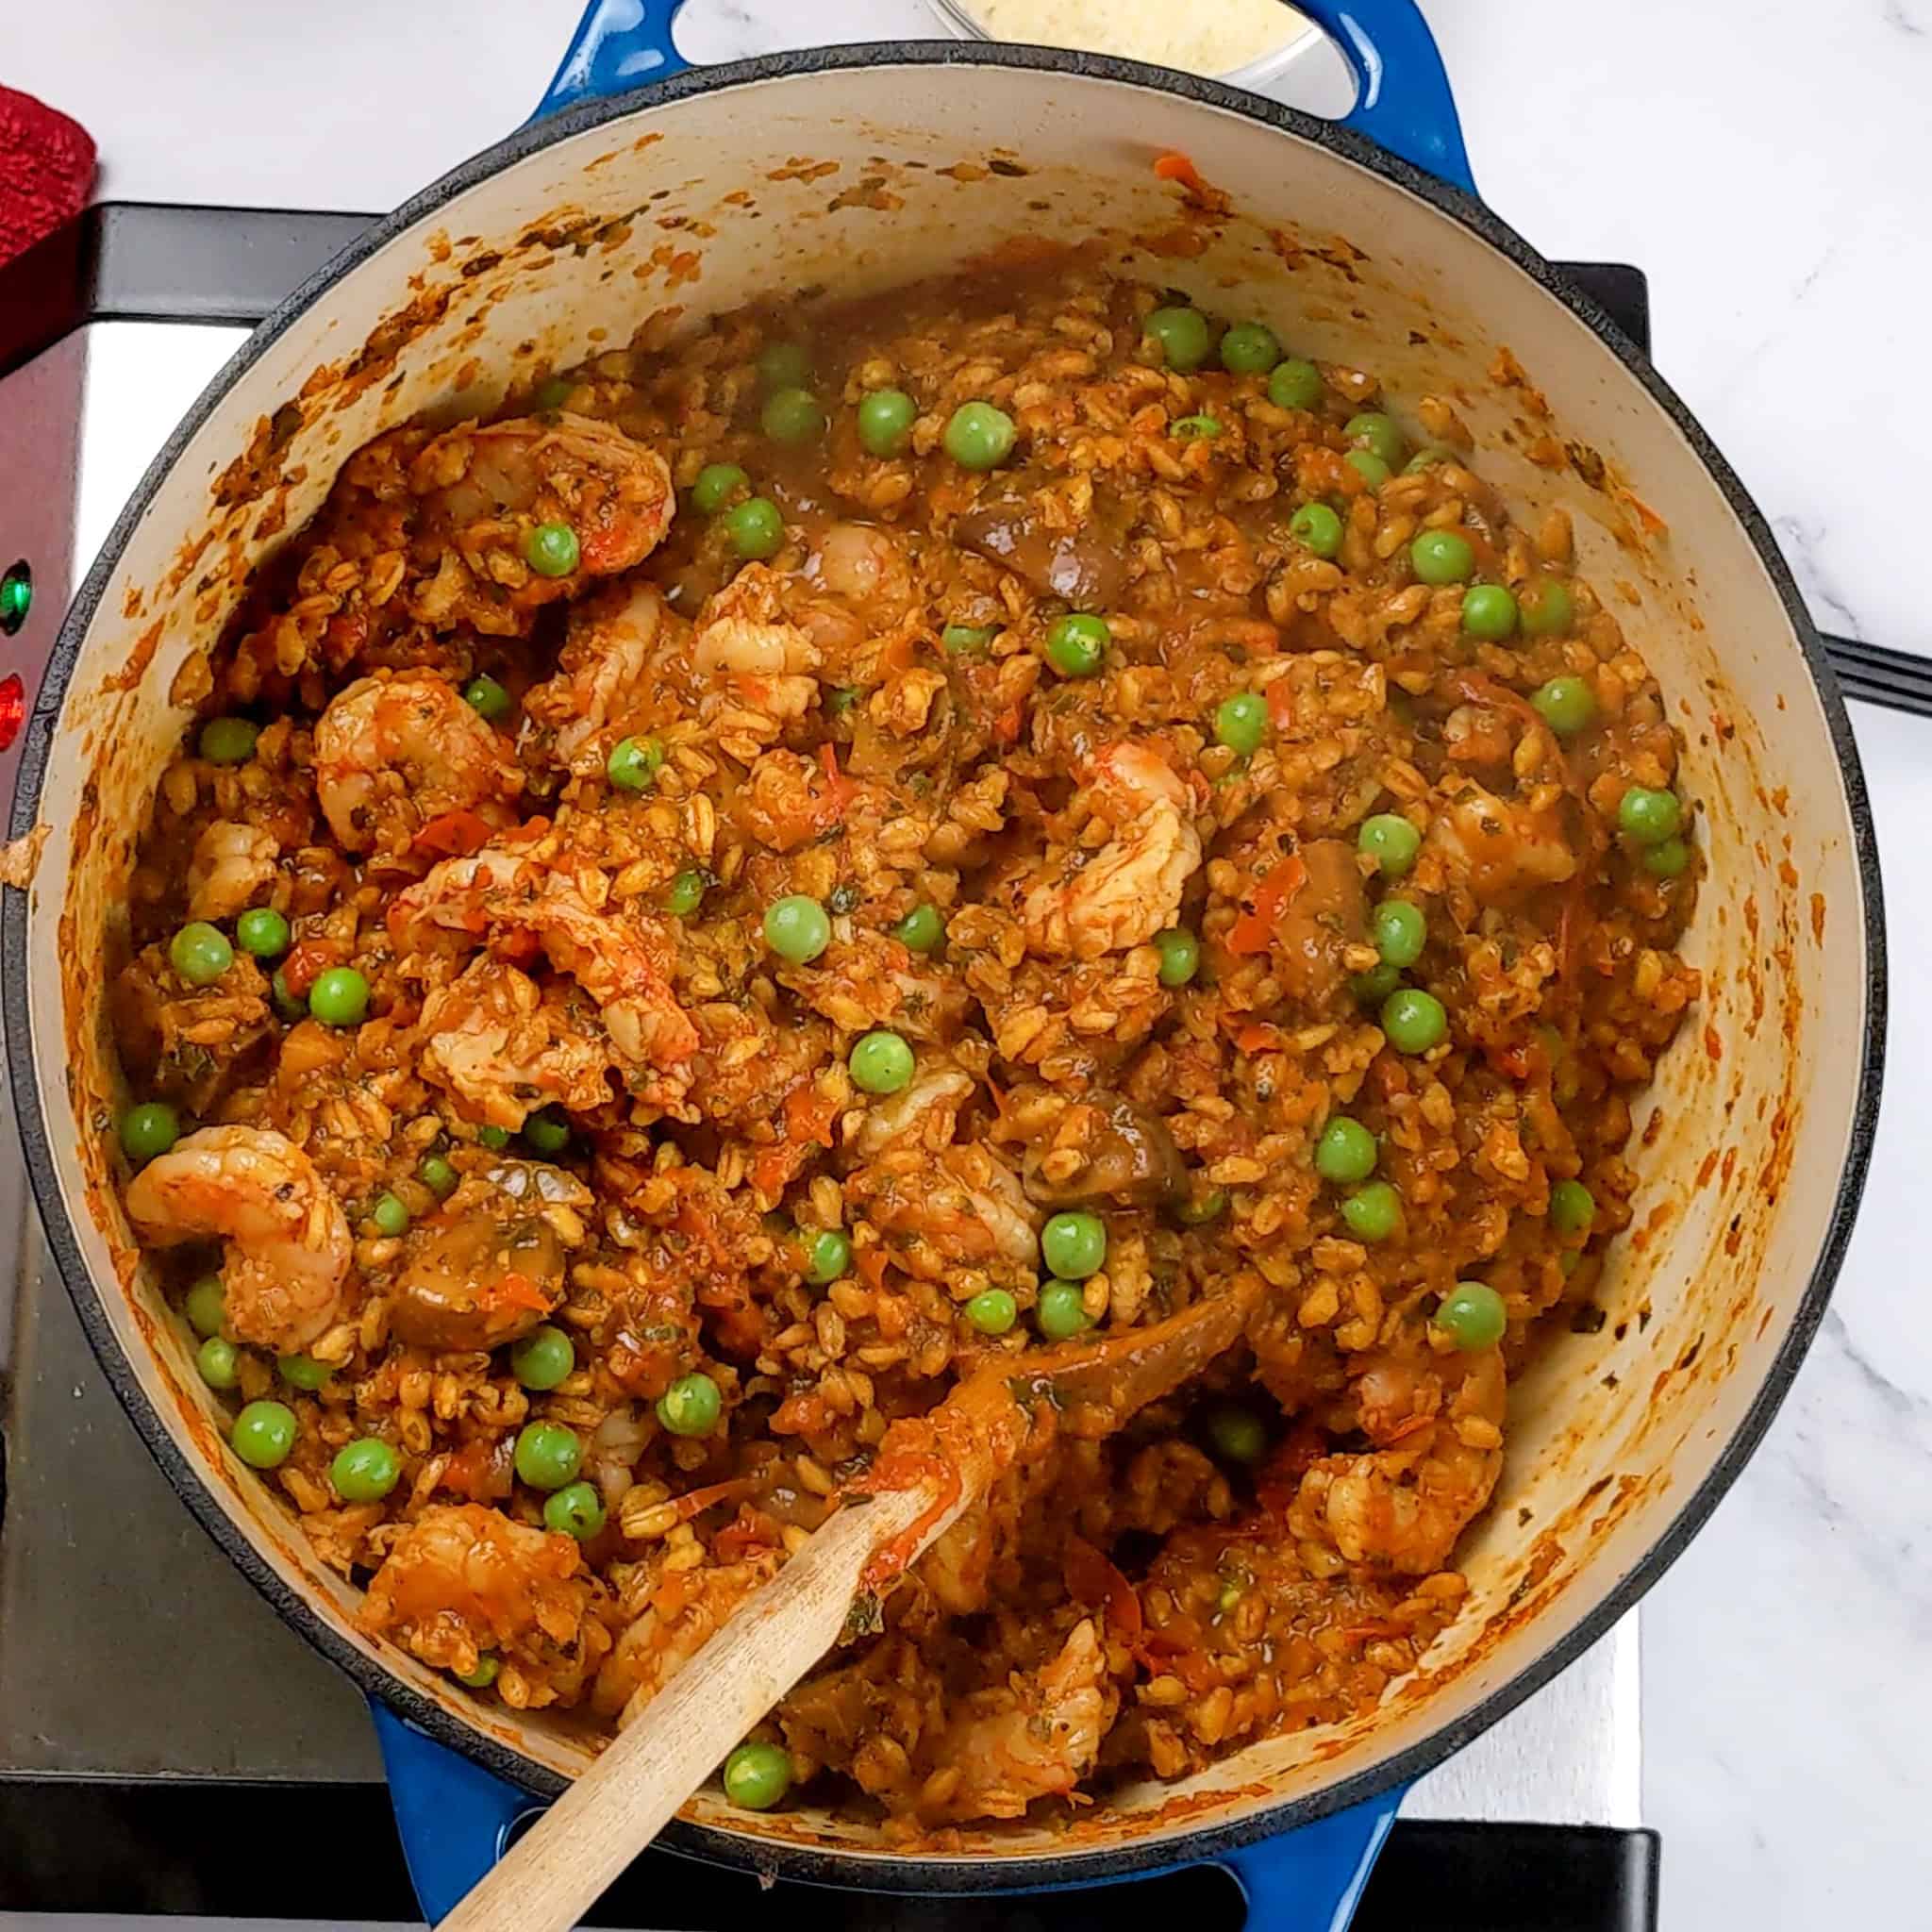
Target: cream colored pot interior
864 178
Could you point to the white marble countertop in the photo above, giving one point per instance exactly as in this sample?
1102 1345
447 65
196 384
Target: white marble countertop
1769 164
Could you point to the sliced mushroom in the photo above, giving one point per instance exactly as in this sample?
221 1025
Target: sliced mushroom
1087 568
1127 1154
476 1283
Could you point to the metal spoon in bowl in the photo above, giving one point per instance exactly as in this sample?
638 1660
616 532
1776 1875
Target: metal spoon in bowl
926 1474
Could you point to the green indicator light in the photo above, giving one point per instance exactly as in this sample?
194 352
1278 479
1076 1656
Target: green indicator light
16 598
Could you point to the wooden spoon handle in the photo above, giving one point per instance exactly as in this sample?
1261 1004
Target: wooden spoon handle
552 1875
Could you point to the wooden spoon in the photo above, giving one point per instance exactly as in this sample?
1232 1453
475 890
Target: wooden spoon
926 1474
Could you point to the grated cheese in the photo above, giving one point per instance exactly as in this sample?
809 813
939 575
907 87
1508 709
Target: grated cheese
1224 38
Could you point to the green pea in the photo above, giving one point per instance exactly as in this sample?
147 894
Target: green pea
1199 428
1401 932
391 1216
828 1256
487 698
575 1510
1198 1210
692 1405
1240 722
716 485
219 1362
1074 1245
1442 557
551 550
543 1358
496 1139
262 932
1545 606
1648 818
1427 458
967 639
1372 1213
302 1372
287 1005
149 1129
229 740
1368 467
1566 705
979 436
438 1175
263 1434
1346 1150
1077 644
1375 985
1062 1312
205 1303
793 416
553 392
922 929
885 421
547 1131
784 365
365 1471
1573 1208
634 763
993 1311
1669 860
754 528
1182 334
1391 842
757 1776
1180 954
1413 1020
1317 527
797 928
1472 1316
483 1675
1377 434
340 997
1489 613
1239 1435
1295 384
880 1062
200 952
548 1456
685 893
1249 348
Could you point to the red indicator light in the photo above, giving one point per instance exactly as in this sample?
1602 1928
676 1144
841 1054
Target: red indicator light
12 708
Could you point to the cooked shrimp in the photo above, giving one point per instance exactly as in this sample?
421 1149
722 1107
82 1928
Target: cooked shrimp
745 638
622 958
1035 1738
924 1110
612 640
966 1207
686 1608
289 1250
484 488
1132 886
1501 849
1402 1506
464 1579
507 1047
393 754
233 865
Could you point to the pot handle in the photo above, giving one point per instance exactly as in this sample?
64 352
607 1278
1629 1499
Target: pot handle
452 1817
1312 1879
619 44
1403 101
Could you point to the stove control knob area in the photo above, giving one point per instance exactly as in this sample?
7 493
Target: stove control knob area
16 600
